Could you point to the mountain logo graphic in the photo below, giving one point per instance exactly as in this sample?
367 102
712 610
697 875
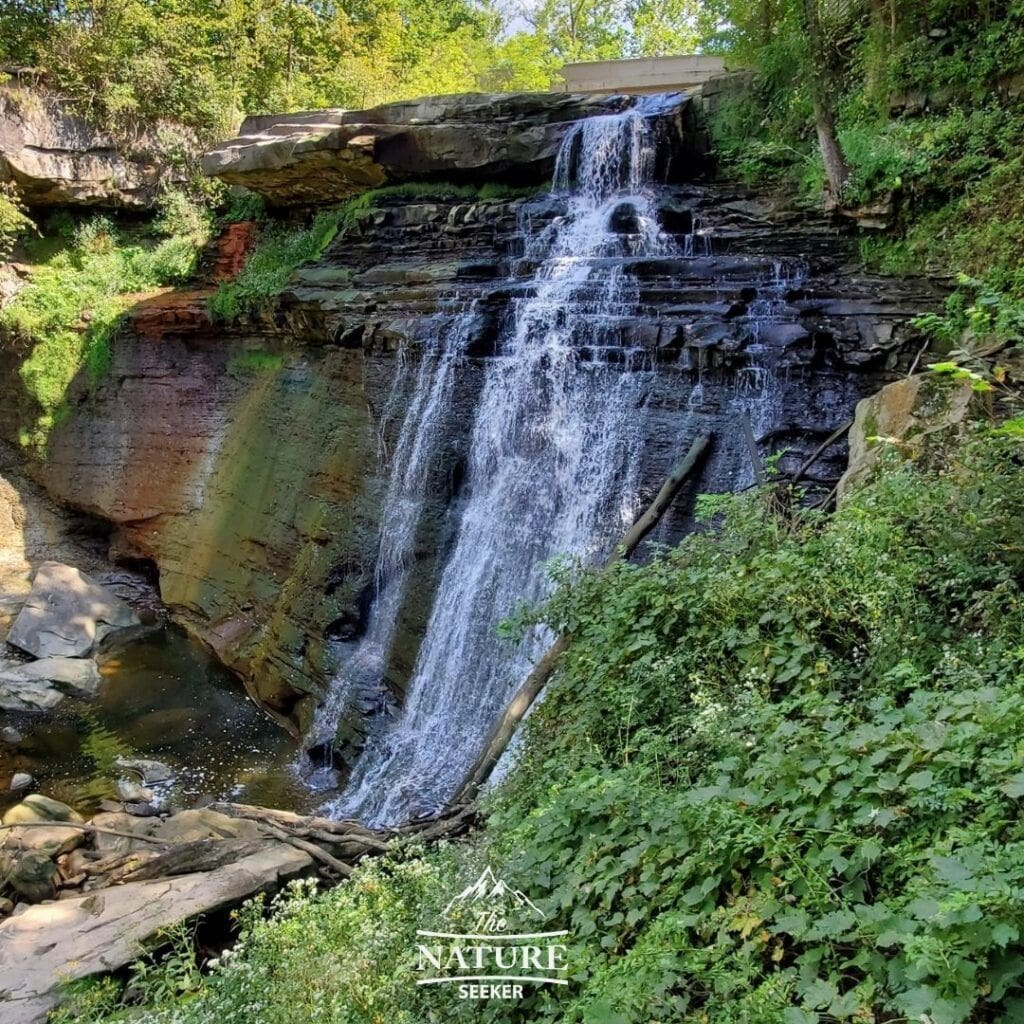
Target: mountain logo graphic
495 948
489 892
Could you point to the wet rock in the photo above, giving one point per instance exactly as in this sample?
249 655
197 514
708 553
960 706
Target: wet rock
149 771
624 219
40 808
11 735
20 780
29 696
141 809
67 614
6 906
79 677
132 792
34 876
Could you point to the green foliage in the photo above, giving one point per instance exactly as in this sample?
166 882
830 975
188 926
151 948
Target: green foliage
781 767
68 314
180 214
243 205
979 314
14 222
293 968
777 780
205 65
281 249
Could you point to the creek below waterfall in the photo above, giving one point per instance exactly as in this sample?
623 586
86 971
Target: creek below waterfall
163 697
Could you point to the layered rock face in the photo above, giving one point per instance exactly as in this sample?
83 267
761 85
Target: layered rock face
323 156
251 466
57 159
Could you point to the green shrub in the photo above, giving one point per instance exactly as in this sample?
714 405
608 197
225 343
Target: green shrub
777 780
181 215
72 307
243 205
14 222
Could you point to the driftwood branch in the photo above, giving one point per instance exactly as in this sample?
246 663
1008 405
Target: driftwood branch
755 455
91 829
504 729
316 852
820 450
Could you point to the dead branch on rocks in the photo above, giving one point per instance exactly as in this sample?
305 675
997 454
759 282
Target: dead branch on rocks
506 726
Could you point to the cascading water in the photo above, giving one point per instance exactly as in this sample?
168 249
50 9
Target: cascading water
553 469
403 506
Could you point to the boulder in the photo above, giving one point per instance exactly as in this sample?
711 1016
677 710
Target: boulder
29 695
120 821
44 947
203 823
49 840
34 876
67 614
58 159
149 771
323 156
78 677
20 780
902 415
36 807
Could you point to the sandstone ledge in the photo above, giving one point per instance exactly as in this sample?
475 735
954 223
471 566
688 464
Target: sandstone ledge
323 156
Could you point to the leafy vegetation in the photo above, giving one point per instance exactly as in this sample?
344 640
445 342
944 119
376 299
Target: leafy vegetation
14 221
281 249
67 315
777 779
927 117
206 65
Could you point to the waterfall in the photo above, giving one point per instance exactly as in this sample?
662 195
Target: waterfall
553 469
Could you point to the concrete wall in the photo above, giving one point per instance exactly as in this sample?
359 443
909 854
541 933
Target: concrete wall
640 75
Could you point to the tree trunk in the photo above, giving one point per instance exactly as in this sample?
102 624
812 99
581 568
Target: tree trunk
836 171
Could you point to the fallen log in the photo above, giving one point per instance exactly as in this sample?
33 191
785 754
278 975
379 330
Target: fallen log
820 450
521 702
85 827
188 857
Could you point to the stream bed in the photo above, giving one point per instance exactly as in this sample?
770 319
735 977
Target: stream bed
166 698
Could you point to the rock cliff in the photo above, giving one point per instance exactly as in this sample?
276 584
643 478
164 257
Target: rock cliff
323 156
57 159
250 464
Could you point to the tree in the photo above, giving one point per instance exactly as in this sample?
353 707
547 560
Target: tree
822 91
664 27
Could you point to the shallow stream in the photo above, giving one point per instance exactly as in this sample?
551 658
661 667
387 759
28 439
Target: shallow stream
163 697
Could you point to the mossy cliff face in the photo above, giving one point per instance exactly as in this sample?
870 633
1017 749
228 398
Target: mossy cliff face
250 477
250 465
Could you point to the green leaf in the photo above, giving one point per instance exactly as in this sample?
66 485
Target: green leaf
1014 785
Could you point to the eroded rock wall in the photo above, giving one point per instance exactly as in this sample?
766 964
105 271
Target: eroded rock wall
250 465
